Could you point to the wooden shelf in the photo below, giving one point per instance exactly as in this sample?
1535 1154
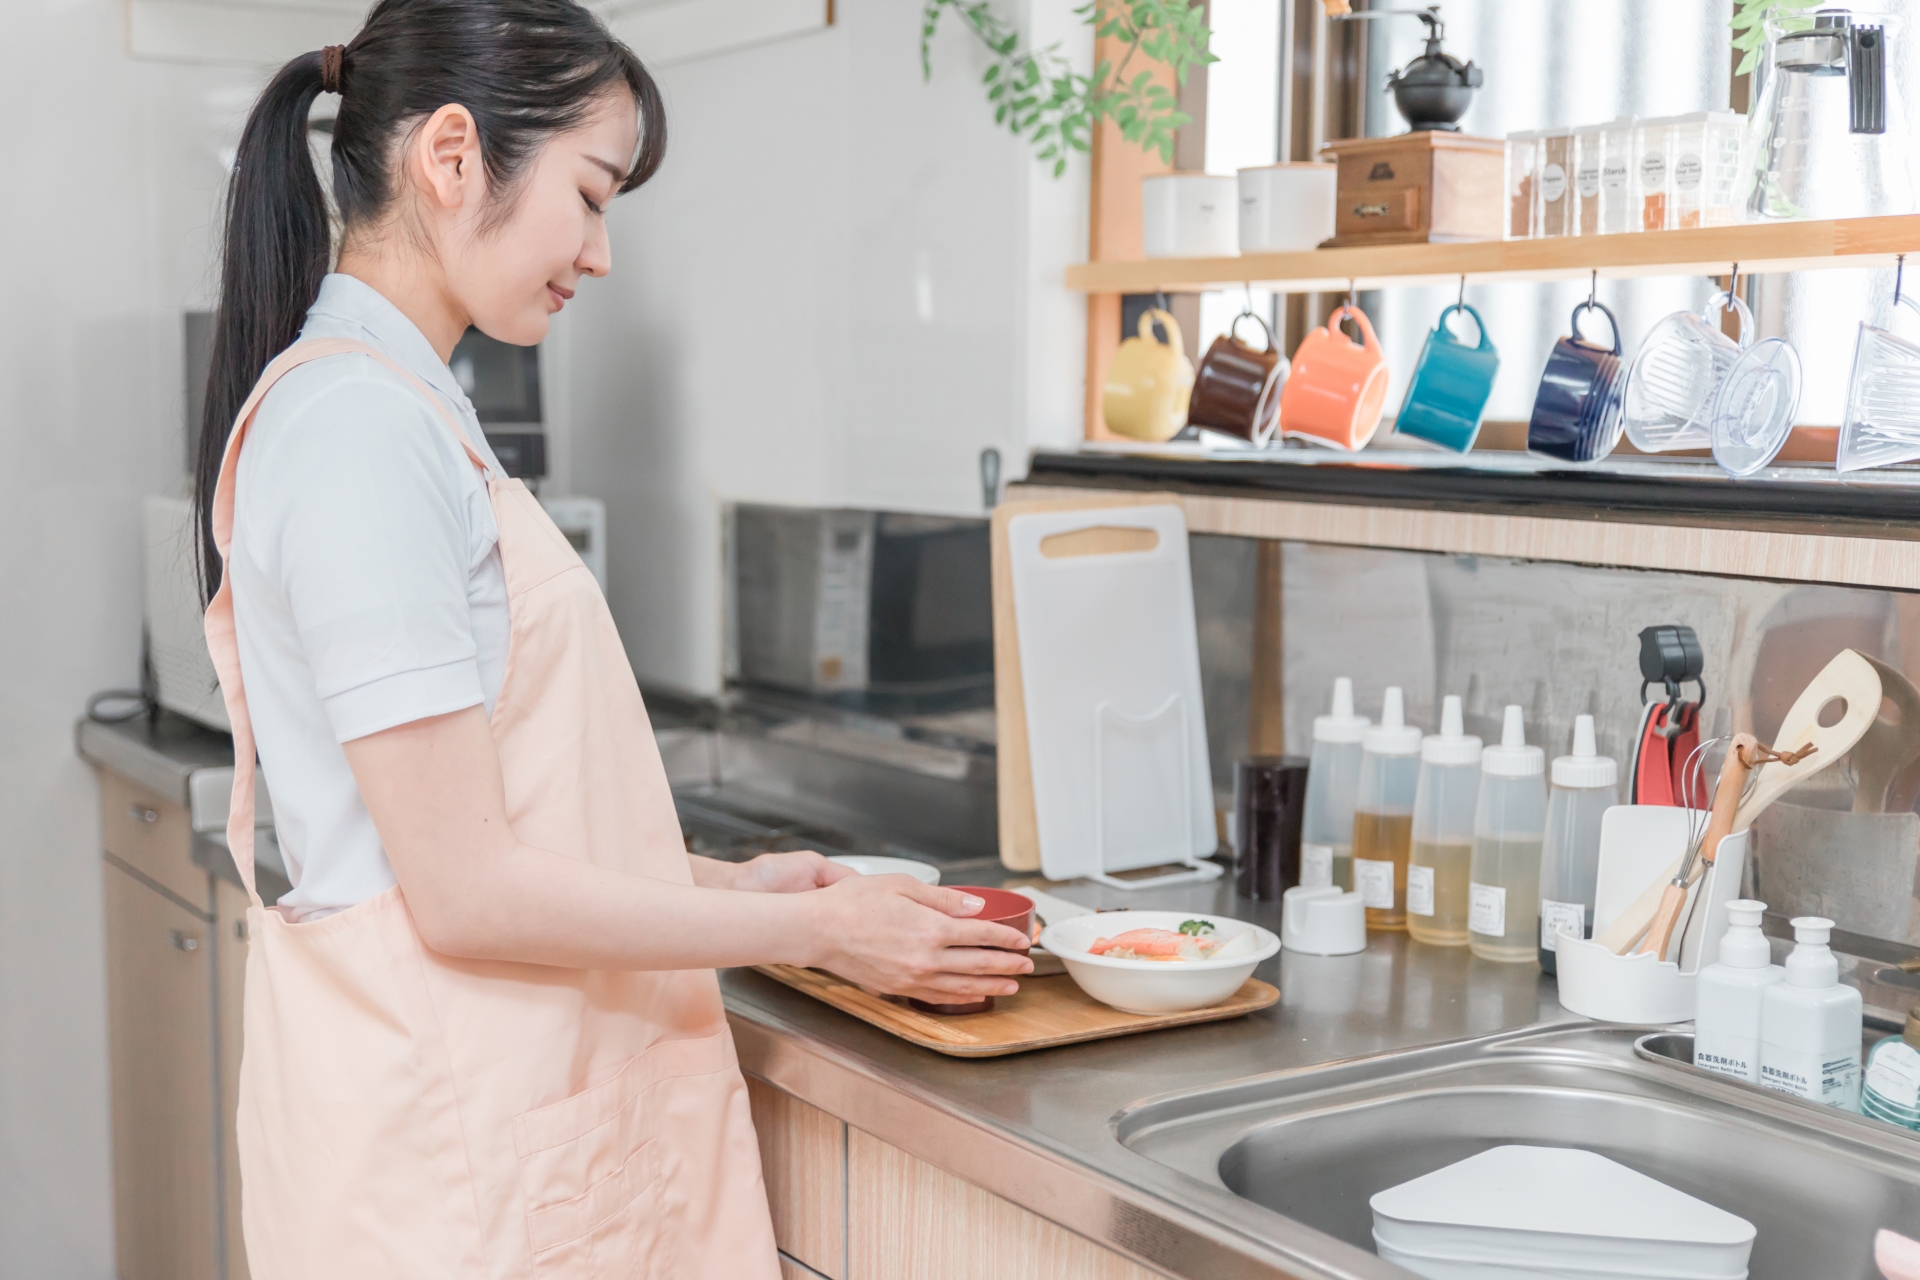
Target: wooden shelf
1759 247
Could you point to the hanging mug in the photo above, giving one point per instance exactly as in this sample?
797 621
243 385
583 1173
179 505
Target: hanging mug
1236 389
1576 413
1148 381
1450 386
1338 387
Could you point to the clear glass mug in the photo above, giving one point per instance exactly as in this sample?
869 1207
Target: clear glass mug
1675 376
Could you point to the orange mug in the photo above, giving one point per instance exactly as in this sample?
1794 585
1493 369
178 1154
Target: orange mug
1339 387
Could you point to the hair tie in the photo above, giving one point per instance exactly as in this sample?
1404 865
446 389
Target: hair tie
331 59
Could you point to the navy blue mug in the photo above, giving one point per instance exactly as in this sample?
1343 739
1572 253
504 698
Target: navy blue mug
1576 414
1450 386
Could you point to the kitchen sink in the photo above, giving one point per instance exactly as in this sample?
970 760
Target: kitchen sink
1316 1144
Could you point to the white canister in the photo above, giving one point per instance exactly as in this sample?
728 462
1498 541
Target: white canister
1189 215
1286 208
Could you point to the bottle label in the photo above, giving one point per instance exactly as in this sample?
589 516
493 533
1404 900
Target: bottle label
1586 180
1895 1075
1420 891
1613 177
1555 916
1316 866
1833 1081
1734 1056
1553 183
1687 171
1487 910
1374 881
1653 172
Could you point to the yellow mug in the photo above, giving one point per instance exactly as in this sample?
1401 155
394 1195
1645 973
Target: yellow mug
1148 383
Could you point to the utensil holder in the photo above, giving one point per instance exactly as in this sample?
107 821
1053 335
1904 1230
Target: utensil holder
1643 989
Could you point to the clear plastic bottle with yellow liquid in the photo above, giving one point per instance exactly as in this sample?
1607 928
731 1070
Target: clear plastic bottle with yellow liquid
1438 868
1383 814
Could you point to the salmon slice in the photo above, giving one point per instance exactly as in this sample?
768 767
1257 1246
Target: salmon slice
1154 944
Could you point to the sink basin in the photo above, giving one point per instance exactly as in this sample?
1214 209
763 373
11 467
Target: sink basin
1314 1145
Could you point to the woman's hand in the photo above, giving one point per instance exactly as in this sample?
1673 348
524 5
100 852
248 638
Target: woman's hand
895 935
788 873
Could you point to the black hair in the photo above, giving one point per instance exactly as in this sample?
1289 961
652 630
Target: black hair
525 69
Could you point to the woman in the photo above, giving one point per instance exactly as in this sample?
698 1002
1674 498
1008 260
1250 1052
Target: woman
483 1034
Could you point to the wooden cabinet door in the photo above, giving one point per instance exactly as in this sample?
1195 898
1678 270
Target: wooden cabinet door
160 1030
907 1220
803 1153
230 978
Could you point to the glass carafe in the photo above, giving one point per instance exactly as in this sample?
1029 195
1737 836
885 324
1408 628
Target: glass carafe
1828 138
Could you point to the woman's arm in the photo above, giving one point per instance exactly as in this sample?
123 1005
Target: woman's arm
436 795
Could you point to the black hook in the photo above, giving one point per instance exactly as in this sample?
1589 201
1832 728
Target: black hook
1899 270
1353 303
1461 301
1593 289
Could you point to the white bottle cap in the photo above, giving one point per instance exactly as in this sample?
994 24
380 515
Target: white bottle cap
1744 946
1450 745
1513 758
1342 725
1811 964
1584 768
1393 736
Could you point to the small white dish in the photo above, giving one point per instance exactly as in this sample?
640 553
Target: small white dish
1157 986
870 866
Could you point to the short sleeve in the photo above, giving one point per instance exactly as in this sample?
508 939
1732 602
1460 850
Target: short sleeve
366 501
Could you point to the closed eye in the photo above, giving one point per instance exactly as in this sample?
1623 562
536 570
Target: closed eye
598 210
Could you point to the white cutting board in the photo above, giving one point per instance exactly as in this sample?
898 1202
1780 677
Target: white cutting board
1110 670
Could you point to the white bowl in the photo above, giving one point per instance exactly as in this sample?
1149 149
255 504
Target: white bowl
873 866
1156 986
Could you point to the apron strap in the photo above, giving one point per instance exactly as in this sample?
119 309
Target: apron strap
222 642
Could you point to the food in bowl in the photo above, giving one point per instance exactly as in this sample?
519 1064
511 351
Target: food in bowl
1193 940
1152 986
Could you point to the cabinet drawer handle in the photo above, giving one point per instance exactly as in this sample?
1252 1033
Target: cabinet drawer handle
1371 210
140 813
183 941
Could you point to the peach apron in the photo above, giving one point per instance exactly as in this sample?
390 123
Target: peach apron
405 1114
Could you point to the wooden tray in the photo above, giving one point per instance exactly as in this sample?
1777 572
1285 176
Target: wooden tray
1047 1012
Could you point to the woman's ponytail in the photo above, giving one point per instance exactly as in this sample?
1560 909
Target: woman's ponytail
525 69
277 245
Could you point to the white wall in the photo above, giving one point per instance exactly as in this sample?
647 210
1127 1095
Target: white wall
844 284
111 172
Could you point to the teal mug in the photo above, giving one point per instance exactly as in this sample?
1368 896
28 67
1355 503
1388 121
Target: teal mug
1450 386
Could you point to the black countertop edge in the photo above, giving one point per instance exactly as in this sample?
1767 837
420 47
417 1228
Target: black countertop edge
1708 499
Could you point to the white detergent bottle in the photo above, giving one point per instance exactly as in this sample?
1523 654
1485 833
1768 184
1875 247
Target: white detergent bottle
1810 1024
1333 784
1726 1029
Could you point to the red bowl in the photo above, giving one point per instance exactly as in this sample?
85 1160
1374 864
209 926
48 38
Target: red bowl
1003 906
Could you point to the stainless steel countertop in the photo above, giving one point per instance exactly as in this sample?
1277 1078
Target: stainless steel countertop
1037 1128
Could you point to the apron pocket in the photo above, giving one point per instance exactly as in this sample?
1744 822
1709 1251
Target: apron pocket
588 1162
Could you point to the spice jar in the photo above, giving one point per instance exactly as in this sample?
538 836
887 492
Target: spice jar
1705 147
1589 153
1653 171
1523 160
1618 211
1553 194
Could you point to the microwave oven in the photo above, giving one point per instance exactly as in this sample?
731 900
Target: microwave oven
839 601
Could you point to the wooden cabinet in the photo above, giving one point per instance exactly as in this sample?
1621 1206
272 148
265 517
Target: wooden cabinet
160 1010
849 1206
803 1157
176 963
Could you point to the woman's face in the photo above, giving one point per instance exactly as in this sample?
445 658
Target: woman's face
514 274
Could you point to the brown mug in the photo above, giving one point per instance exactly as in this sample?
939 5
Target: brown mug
1237 387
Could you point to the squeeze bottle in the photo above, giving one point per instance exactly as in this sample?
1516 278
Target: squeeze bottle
1730 994
1503 892
1333 779
1810 1024
1892 1091
1585 786
1383 813
1443 800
